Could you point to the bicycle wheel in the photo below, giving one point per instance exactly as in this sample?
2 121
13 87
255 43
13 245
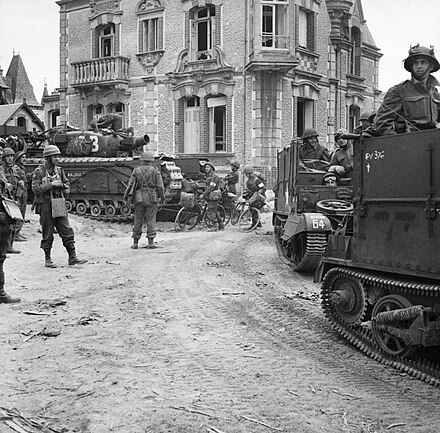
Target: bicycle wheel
229 208
186 218
236 212
249 219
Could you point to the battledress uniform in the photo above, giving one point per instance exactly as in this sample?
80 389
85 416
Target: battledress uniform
43 190
149 181
213 184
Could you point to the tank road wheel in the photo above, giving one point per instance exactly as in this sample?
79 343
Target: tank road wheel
125 210
304 251
110 210
348 299
69 205
388 342
95 210
81 208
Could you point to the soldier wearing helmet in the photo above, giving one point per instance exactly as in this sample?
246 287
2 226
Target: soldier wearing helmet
212 195
311 149
50 182
364 118
15 185
6 226
255 189
144 189
233 177
342 158
414 104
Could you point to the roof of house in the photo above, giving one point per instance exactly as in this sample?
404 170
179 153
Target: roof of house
21 87
8 110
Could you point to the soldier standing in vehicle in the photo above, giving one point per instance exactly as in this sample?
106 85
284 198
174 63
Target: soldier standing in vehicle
145 188
342 158
414 104
311 149
364 118
212 195
49 181
232 178
22 196
15 185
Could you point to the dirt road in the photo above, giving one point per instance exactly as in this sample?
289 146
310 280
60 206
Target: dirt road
209 333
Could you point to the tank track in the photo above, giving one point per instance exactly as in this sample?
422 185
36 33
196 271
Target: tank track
316 244
113 219
361 336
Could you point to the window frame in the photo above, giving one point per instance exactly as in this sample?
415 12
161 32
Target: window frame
279 41
104 38
195 25
309 29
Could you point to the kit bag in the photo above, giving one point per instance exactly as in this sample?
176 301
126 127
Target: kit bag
58 206
215 195
187 200
12 208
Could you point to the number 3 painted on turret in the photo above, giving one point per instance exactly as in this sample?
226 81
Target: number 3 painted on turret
95 145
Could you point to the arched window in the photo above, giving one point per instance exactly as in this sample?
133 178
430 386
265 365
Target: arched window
106 40
202 28
21 121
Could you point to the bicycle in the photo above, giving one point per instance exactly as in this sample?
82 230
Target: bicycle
250 217
188 217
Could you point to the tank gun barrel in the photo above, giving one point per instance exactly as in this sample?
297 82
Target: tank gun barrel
131 143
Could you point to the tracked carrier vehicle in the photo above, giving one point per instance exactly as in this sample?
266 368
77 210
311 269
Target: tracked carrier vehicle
306 210
381 281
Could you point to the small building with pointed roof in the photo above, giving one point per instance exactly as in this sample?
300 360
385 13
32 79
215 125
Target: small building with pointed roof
19 119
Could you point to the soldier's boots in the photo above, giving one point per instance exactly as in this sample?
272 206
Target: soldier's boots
49 263
135 245
73 260
5 298
151 244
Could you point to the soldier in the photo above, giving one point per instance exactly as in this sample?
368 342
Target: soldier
365 123
233 177
311 149
6 224
342 158
15 185
256 189
50 182
147 182
414 104
20 159
212 195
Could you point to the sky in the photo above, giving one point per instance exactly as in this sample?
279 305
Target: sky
31 28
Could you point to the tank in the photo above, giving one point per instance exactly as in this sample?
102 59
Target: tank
380 281
307 209
99 164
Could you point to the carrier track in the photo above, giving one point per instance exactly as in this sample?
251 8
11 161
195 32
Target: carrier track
361 334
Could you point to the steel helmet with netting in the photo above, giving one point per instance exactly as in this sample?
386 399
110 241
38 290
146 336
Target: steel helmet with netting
8 151
248 169
309 133
416 52
51 150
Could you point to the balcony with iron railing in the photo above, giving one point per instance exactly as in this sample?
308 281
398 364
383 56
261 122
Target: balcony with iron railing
271 52
103 71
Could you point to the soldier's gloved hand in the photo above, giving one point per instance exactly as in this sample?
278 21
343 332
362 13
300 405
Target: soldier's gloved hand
57 183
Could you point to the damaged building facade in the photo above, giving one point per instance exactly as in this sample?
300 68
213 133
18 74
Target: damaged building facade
222 79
